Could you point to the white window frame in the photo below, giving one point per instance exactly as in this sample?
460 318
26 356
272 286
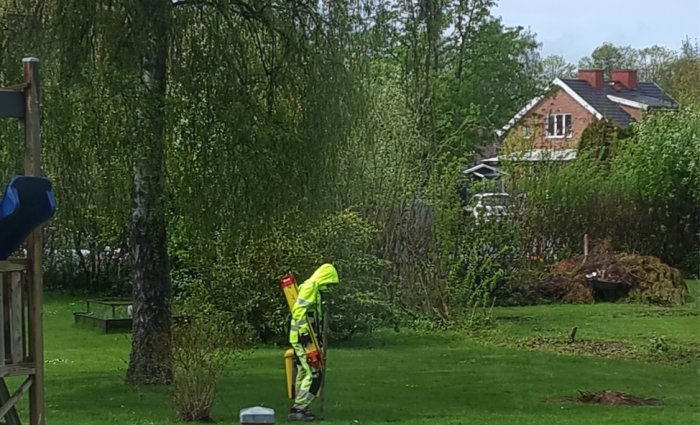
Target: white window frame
564 134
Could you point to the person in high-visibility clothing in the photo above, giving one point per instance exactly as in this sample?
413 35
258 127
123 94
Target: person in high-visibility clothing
308 300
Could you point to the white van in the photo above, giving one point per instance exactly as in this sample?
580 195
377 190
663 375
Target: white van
485 205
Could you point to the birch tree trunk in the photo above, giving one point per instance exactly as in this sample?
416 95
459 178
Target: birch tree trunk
150 360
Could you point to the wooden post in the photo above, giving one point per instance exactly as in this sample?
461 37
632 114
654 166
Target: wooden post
32 167
16 330
2 320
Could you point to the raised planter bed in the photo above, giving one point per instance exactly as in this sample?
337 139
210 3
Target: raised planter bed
103 324
107 321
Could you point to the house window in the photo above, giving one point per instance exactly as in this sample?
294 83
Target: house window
559 125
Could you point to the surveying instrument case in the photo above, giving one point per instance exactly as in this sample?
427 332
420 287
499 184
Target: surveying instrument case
313 349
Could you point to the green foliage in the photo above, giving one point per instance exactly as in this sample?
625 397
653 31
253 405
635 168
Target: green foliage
487 255
600 137
609 57
277 116
557 204
487 78
659 171
675 71
245 284
650 62
555 66
691 263
644 198
660 162
658 344
681 77
204 342
359 303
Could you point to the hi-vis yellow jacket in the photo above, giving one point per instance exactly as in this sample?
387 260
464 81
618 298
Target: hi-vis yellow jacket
309 298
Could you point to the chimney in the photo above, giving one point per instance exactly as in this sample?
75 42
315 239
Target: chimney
626 77
594 77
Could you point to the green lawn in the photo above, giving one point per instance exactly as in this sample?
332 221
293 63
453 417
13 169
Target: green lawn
622 330
412 378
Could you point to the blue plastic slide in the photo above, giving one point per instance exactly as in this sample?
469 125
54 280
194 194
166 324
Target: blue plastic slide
27 202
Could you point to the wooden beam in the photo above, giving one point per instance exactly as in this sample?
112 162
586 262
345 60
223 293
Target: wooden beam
25 318
16 370
11 416
2 320
11 266
11 401
32 167
16 310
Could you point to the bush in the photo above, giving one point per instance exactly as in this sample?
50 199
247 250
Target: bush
246 284
358 304
659 170
519 288
487 255
640 192
600 138
204 342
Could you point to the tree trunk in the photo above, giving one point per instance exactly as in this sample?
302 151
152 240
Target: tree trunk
150 360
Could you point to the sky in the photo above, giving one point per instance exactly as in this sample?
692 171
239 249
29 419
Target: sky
573 29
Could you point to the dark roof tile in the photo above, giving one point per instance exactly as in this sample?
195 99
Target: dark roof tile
647 93
599 101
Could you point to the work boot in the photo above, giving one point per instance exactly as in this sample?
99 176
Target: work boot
300 415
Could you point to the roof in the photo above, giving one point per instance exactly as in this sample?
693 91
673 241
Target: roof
605 102
647 95
535 155
483 171
598 99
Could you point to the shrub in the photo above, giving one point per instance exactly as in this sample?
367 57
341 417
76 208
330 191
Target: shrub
640 192
245 283
659 169
487 255
204 342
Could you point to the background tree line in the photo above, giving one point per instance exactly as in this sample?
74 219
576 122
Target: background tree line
248 139
675 71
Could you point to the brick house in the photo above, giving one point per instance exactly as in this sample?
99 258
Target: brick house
563 114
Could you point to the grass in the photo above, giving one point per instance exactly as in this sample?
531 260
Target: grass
621 329
410 377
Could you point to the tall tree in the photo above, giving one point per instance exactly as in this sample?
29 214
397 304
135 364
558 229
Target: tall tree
609 57
652 61
681 77
555 66
649 61
150 360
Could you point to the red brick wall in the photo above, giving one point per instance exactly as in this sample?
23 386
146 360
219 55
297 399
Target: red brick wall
634 112
562 103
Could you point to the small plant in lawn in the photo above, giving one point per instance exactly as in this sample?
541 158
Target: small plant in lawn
658 344
204 343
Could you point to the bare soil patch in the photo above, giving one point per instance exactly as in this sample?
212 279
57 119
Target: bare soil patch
582 346
614 398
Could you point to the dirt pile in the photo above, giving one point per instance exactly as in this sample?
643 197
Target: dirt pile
614 398
604 276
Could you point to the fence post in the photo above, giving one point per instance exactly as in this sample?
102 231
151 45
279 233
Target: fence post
32 167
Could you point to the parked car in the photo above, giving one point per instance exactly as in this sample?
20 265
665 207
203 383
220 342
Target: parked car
484 206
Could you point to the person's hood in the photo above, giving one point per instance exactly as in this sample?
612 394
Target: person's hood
324 276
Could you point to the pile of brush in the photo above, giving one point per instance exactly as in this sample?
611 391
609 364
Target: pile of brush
605 276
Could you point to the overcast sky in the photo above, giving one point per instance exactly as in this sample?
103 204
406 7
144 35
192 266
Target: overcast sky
573 29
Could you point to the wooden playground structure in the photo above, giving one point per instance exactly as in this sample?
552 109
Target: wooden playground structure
21 281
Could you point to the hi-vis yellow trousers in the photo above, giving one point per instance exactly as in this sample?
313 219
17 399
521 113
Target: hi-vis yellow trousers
305 378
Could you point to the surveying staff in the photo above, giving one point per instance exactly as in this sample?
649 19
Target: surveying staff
308 300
